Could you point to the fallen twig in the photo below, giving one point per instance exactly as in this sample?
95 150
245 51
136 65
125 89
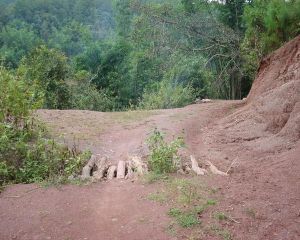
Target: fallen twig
231 165
215 170
196 168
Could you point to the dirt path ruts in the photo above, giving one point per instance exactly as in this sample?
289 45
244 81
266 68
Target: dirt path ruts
102 211
262 194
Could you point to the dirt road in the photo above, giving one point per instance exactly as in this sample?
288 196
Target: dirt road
262 194
114 210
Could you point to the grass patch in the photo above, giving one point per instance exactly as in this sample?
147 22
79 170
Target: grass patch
187 220
220 216
157 197
174 212
251 212
211 202
171 229
200 209
185 191
153 177
224 233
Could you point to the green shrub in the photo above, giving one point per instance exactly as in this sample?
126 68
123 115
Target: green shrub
87 97
269 24
47 160
48 70
25 154
163 156
167 95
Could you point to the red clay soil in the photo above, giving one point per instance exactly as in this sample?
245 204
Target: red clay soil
259 137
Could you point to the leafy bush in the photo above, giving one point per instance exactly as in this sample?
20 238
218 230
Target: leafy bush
167 95
163 156
47 160
86 96
47 69
89 98
191 71
25 154
16 98
269 24
17 39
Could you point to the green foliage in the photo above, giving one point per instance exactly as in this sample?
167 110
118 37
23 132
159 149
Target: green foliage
72 39
174 212
123 17
152 177
167 95
16 40
163 156
220 216
225 234
158 197
46 160
282 21
47 69
147 54
191 71
232 13
211 202
188 220
187 191
184 219
25 154
16 98
269 24
87 97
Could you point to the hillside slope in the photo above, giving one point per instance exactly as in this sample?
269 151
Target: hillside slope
262 138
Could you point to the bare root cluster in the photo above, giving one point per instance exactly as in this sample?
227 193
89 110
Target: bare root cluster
100 168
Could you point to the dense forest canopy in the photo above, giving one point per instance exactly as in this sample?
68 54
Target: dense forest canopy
112 55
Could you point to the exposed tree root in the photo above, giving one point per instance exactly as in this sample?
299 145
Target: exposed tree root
100 168
196 168
111 172
138 165
87 170
96 168
121 169
215 170
130 170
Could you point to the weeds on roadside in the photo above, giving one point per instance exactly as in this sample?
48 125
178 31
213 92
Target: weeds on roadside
186 191
157 197
220 216
152 177
251 212
225 234
184 219
163 156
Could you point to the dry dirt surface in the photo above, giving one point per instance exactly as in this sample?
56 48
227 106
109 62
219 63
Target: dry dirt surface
258 138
